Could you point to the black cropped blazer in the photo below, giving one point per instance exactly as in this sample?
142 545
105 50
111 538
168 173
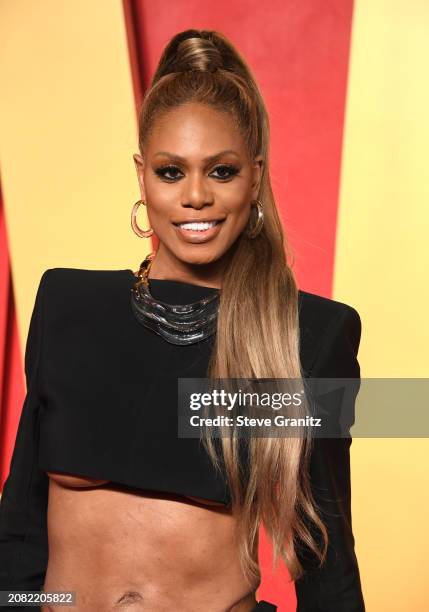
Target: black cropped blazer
101 402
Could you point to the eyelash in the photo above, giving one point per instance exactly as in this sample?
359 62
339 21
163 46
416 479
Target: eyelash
233 170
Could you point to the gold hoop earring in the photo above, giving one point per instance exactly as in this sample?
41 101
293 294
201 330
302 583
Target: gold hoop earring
252 233
136 229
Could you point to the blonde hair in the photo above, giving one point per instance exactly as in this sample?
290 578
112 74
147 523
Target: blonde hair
252 340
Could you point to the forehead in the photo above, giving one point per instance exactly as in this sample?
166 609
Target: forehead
195 130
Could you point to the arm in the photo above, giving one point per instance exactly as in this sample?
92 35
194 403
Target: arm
336 586
23 505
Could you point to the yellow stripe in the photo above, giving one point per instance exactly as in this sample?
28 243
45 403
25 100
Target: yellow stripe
381 269
68 125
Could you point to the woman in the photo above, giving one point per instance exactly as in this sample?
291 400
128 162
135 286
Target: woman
134 516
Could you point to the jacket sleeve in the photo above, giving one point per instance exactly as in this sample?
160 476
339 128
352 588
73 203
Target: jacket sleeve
23 505
336 586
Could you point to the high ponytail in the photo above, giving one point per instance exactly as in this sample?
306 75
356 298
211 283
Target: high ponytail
252 341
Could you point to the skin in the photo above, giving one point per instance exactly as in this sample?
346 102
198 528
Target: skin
145 550
199 190
120 548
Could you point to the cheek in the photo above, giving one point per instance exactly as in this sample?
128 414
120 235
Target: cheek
161 202
235 197
238 211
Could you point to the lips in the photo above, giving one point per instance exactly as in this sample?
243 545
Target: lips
199 227
198 221
196 236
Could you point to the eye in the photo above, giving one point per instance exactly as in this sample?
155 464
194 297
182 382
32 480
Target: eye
230 171
169 172
162 172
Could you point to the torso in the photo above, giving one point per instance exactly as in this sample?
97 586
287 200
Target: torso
107 540
127 549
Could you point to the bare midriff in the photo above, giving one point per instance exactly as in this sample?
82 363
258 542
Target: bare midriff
120 548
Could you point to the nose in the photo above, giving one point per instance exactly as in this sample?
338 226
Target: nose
196 193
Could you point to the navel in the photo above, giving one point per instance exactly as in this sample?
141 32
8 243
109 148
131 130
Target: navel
128 598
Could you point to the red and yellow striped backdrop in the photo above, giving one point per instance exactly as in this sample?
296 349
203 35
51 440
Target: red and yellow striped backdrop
347 95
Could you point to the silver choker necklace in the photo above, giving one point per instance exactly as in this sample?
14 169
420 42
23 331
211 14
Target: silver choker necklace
178 324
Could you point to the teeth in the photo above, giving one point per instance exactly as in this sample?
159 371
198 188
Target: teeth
198 226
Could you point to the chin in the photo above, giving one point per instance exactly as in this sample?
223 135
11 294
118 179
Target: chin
199 258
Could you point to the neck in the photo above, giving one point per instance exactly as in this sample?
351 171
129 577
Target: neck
166 266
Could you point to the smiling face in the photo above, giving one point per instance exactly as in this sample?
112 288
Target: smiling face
196 168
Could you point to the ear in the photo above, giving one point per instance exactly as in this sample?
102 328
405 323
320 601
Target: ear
139 164
258 166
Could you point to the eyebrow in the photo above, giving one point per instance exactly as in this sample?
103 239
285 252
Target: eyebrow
208 158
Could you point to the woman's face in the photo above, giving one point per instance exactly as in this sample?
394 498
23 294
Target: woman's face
195 168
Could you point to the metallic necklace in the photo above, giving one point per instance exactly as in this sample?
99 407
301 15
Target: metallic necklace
178 324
